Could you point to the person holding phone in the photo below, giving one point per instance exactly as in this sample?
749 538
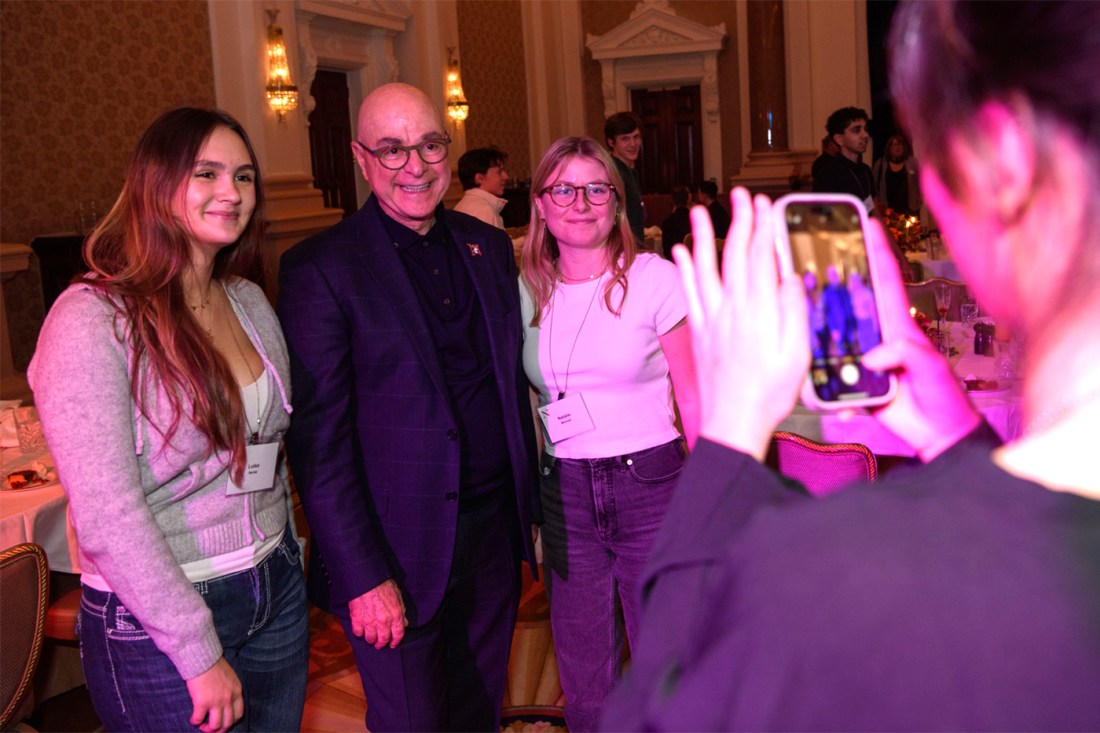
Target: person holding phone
163 384
604 346
961 594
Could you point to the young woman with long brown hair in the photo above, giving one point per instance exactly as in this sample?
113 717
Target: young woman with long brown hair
162 382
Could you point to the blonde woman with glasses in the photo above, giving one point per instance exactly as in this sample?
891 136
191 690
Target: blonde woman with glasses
604 346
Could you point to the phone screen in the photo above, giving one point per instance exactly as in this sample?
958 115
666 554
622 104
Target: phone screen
829 253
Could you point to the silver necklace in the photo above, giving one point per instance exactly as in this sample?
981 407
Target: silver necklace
562 390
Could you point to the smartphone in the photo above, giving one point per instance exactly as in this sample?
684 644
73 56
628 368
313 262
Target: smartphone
822 236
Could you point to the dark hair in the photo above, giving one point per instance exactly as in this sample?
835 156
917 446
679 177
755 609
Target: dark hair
538 261
620 123
139 253
906 147
710 188
1039 57
838 121
681 195
478 160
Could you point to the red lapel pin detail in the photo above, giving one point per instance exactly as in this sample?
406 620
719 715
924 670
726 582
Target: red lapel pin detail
475 249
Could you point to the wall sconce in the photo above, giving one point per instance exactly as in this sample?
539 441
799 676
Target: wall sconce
282 96
458 109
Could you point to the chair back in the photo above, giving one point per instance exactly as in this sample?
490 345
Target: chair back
823 468
25 577
922 296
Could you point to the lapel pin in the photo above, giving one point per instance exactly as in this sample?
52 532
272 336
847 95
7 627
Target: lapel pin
475 249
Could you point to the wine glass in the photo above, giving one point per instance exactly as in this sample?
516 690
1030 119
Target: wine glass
943 304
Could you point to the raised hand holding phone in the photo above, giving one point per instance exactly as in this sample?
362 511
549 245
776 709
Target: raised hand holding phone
824 238
930 411
748 326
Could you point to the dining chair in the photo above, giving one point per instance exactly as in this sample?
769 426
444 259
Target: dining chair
25 577
922 296
61 617
823 468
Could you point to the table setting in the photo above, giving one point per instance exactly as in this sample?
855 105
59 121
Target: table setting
33 504
989 376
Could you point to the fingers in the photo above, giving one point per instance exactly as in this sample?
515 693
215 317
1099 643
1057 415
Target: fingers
688 279
217 699
198 715
397 630
889 287
379 615
707 277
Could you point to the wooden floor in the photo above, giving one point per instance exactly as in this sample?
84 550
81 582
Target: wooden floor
334 696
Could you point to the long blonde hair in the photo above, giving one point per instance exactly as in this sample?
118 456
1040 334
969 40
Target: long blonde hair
540 252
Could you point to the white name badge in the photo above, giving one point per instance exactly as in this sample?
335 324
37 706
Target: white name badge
565 418
869 204
259 470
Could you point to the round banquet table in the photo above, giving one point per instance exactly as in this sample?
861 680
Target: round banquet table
1001 408
39 515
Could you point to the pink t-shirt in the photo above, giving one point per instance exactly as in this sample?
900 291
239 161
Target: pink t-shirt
614 362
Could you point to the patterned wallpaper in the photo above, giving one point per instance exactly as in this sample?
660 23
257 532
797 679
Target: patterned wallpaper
600 16
490 35
81 81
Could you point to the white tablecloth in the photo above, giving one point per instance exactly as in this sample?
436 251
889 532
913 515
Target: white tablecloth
1001 409
38 515
945 268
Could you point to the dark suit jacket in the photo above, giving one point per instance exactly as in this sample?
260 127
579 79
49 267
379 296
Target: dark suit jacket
373 443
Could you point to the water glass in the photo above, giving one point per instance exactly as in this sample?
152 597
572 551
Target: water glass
968 311
29 430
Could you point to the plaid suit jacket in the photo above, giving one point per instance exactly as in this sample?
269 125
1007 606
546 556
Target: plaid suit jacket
373 442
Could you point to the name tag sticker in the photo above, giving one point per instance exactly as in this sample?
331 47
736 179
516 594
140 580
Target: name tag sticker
259 471
565 418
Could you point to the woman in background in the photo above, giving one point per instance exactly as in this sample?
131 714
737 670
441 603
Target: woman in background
964 594
897 180
162 382
604 346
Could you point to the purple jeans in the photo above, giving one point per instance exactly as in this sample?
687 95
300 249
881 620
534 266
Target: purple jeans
601 516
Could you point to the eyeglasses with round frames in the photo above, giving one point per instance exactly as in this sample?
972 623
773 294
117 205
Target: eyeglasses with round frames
564 194
395 157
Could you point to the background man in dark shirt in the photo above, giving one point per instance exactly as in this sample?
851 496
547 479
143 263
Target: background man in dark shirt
707 195
676 225
845 173
623 132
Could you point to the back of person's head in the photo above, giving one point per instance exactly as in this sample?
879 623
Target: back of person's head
708 189
1037 58
838 121
478 160
540 251
621 123
142 239
681 195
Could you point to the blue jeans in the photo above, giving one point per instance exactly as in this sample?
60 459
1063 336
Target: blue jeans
262 621
601 517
